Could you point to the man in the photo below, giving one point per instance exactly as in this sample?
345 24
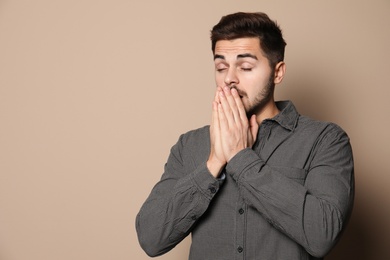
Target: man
262 181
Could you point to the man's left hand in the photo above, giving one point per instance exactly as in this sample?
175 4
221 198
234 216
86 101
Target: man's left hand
236 131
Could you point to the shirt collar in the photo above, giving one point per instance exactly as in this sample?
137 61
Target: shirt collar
288 116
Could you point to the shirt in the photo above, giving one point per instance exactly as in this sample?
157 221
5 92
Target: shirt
287 197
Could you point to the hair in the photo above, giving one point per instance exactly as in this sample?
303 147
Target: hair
243 25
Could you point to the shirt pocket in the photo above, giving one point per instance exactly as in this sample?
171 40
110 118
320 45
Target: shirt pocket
296 174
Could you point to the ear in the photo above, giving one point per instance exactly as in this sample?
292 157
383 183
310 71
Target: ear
280 70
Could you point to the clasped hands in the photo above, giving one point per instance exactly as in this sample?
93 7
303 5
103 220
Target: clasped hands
230 129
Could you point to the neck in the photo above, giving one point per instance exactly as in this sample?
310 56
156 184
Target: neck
269 111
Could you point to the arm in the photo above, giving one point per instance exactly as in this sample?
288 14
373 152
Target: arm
312 212
175 203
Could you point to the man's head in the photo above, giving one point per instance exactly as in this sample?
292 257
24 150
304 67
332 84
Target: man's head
248 25
248 53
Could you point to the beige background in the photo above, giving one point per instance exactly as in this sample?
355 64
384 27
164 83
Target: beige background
94 93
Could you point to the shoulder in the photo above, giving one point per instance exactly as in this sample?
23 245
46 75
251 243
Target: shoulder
326 132
196 135
308 123
196 139
193 146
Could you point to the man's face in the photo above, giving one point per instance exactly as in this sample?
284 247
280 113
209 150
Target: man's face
240 64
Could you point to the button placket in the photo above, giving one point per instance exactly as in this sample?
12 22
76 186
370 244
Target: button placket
263 130
241 229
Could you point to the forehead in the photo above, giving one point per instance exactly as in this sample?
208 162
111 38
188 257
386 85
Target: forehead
237 46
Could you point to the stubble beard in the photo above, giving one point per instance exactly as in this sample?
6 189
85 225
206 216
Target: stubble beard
261 100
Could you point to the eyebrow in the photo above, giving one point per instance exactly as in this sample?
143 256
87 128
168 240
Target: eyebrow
239 56
246 55
217 56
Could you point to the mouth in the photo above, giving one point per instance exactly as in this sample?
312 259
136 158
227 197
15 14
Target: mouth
239 92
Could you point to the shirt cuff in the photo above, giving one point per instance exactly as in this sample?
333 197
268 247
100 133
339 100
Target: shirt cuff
206 182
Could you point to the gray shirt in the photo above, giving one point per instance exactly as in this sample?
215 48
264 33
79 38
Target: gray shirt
289 197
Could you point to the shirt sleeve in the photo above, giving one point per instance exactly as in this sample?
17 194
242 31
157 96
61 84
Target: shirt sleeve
175 203
311 211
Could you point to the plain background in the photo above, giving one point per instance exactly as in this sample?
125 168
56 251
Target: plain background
94 93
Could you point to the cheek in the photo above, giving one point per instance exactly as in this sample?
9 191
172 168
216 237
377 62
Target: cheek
250 84
257 82
219 80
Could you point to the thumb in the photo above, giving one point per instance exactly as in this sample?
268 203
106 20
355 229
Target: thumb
254 127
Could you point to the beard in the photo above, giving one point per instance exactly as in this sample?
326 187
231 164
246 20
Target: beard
261 99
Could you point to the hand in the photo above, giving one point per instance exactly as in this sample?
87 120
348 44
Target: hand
237 133
230 130
216 159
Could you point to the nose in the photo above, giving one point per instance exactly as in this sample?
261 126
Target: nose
231 78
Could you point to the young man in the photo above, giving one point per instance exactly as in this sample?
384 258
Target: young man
262 181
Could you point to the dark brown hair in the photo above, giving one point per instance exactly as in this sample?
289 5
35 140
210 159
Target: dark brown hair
242 25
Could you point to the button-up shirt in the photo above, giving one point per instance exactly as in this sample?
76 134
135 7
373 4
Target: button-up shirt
287 197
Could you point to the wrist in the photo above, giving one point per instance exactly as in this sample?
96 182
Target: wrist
215 167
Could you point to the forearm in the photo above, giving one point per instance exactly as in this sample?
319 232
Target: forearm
172 208
312 219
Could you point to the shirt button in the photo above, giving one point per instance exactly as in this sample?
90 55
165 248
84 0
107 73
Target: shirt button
213 190
241 211
240 249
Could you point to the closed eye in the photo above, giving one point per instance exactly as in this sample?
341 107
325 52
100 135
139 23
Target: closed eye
220 67
220 70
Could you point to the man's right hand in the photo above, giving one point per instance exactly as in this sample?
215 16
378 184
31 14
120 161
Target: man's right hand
230 129
216 160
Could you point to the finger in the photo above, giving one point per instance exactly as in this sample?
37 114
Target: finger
229 108
216 152
216 96
240 105
215 132
214 126
232 103
223 121
254 127
214 115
